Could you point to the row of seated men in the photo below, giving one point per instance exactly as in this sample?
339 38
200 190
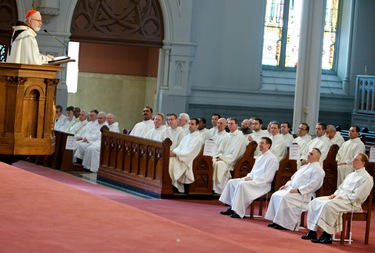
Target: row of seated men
291 199
231 146
86 132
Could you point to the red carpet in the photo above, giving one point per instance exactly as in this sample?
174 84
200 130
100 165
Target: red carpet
48 216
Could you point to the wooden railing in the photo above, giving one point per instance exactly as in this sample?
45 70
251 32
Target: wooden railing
365 95
136 163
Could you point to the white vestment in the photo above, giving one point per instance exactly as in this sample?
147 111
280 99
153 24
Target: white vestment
278 147
239 194
285 208
68 122
213 131
181 166
175 135
288 139
219 137
322 143
92 135
91 159
205 134
59 122
77 127
24 49
337 139
257 137
156 134
141 128
114 127
185 128
302 141
326 214
229 152
346 154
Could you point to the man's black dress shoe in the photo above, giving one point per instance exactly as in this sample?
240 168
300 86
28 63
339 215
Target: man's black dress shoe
324 238
271 225
310 235
227 212
234 215
279 227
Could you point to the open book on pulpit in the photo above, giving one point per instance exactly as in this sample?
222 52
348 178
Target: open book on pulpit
60 60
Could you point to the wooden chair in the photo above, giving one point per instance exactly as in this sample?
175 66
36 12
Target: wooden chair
347 219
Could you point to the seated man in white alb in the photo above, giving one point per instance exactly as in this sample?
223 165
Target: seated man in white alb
278 143
92 135
285 132
157 133
141 128
77 127
246 128
257 134
181 158
347 152
214 119
173 131
221 135
70 119
239 193
91 158
112 124
288 203
205 133
93 116
303 136
183 122
229 152
320 142
325 213
59 119
334 136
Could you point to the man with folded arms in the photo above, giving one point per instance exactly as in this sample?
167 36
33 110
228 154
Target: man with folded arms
239 193
287 204
229 152
325 213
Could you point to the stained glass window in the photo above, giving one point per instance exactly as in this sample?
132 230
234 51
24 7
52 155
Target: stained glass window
2 53
281 33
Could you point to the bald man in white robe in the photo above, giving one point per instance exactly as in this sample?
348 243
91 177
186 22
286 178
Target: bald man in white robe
229 152
141 128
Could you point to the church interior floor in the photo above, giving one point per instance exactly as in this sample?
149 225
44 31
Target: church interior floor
203 216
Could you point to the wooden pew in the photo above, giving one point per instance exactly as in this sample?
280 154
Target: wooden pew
286 170
135 163
244 165
203 173
330 168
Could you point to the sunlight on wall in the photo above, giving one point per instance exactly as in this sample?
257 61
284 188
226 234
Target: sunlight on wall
72 69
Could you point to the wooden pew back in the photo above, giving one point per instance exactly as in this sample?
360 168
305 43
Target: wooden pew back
244 165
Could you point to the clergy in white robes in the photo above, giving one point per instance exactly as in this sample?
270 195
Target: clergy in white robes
173 131
285 132
239 193
325 213
69 121
257 134
303 136
221 135
229 152
141 128
334 136
214 119
94 134
205 133
321 142
183 122
112 124
77 127
287 204
278 148
60 118
181 158
246 128
157 132
23 46
347 152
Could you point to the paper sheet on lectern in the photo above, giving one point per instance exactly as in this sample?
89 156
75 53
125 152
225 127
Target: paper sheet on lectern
294 151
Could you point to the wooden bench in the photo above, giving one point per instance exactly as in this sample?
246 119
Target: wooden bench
135 163
244 164
203 173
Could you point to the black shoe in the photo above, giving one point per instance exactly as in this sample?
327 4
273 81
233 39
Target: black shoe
311 235
234 215
279 227
227 212
271 225
324 238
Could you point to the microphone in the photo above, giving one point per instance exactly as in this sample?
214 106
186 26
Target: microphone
66 47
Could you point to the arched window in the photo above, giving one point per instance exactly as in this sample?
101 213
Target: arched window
281 34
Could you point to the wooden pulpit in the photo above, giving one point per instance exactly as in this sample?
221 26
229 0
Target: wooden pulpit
27 108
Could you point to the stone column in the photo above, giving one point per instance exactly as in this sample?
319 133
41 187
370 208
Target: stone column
309 70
